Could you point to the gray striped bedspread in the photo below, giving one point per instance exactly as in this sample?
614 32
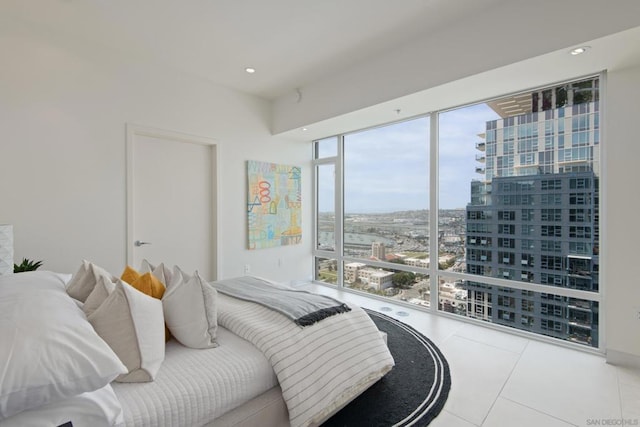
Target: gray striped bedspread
303 307
319 367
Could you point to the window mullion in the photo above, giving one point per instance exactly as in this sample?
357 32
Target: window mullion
339 211
433 212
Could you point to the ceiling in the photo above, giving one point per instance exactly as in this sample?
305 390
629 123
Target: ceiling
310 48
290 43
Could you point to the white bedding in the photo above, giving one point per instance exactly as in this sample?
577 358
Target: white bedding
178 396
319 367
98 408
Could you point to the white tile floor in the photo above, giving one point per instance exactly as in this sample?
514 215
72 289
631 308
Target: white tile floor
500 379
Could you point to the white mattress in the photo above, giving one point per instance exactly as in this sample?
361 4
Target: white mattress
185 394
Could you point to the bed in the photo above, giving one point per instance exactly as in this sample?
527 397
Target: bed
261 369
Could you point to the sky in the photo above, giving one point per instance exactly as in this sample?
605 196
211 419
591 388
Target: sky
387 168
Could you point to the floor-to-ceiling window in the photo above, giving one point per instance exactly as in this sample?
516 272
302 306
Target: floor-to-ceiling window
488 211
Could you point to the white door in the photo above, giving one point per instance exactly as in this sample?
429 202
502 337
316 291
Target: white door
171 208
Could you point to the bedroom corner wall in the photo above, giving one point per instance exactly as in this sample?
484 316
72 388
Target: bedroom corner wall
622 204
63 109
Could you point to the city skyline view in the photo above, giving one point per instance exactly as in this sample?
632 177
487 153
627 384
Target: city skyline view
518 195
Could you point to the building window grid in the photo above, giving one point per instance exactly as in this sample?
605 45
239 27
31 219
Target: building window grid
580 215
527 214
579 198
527 245
551 230
506 229
551 184
506 258
506 215
579 183
505 242
528 230
580 248
551 199
551 262
550 246
553 215
581 232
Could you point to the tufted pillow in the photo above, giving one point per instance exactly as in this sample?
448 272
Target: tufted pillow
132 324
190 310
48 350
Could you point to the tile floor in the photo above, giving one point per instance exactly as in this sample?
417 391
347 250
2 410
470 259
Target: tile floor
499 379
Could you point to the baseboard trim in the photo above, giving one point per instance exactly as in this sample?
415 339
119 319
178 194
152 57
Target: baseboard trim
620 358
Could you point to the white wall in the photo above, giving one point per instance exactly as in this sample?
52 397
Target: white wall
63 109
621 207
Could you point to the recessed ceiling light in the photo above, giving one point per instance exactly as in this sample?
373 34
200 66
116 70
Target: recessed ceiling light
250 70
304 129
579 50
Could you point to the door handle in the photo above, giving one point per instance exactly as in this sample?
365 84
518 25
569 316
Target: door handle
140 243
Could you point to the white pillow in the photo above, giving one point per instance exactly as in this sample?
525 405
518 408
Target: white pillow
91 409
85 279
48 350
133 325
161 272
100 292
190 310
146 266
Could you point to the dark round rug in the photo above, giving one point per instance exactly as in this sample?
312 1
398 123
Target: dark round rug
412 394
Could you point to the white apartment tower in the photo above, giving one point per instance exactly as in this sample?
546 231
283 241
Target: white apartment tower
378 251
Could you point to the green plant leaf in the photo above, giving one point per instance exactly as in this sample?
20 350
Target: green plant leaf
27 265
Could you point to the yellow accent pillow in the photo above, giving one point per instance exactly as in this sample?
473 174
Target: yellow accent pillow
150 285
146 283
129 275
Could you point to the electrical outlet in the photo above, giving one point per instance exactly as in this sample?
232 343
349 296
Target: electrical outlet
247 269
279 262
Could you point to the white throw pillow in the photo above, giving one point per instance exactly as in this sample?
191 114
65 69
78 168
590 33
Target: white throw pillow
100 292
190 310
146 266
48 350
133 325
85 279
161 272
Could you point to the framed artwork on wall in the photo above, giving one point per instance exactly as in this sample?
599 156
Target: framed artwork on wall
274 205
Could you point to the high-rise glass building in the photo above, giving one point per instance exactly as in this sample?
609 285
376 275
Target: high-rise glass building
533 216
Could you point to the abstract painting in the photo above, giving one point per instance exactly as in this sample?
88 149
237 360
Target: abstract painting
273 205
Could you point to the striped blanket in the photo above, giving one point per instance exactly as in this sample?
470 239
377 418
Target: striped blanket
303 307
320 367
